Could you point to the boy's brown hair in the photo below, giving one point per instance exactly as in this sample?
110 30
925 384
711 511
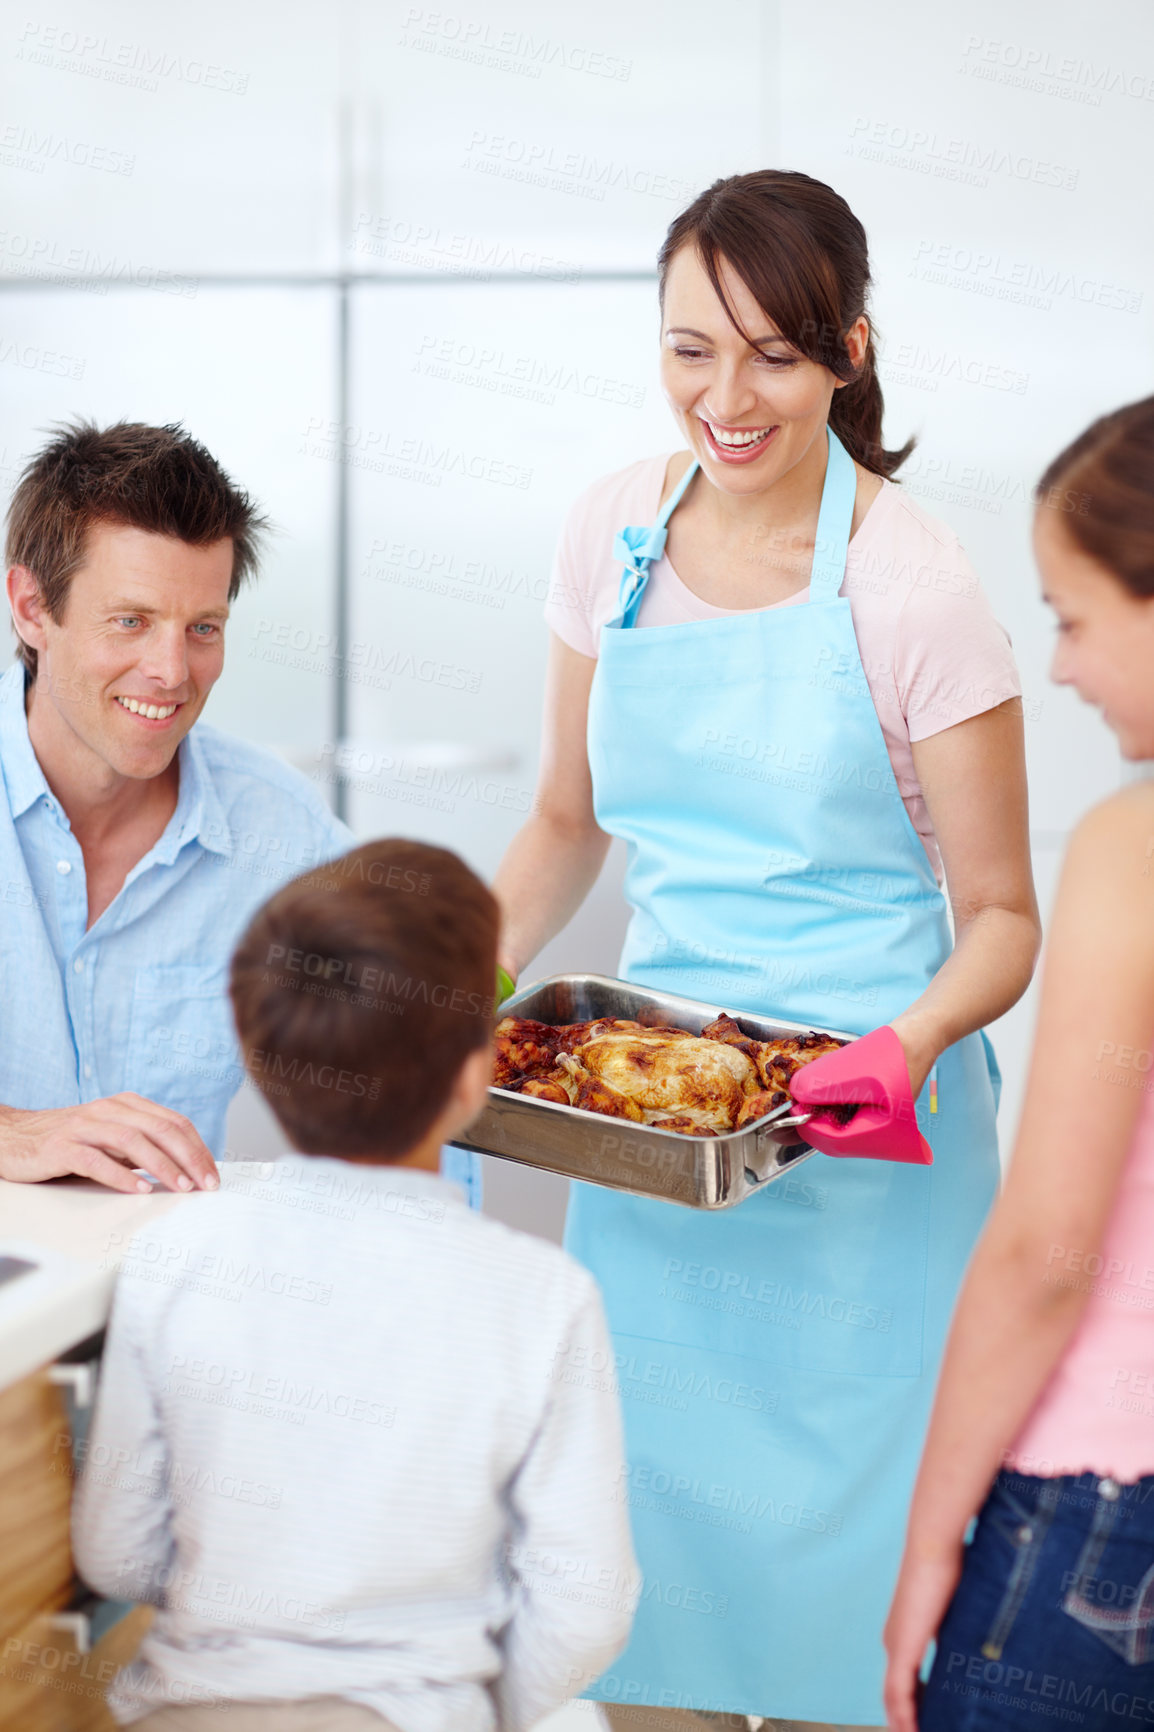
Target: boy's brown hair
359 991
154 478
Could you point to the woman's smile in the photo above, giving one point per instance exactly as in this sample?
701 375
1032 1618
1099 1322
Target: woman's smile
737 445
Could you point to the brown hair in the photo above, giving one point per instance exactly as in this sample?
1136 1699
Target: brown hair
359 991
1104 481
802 254
154 478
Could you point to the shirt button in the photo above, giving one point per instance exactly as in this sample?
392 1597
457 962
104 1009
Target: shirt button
1109 1489
1024 1535
78 965
88 1070
64 867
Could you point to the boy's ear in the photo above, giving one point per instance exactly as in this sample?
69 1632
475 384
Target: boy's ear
468 1094
471 1086
473 1080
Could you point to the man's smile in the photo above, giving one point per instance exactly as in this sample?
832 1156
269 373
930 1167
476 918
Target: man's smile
146 711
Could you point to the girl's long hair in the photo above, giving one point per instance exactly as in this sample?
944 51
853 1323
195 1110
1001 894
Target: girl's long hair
1104 484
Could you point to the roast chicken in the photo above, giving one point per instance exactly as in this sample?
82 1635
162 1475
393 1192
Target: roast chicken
700 1085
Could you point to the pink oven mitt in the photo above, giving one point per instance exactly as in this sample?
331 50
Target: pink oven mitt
871 1075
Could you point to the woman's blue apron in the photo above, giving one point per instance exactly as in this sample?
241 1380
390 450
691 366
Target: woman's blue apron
777 1360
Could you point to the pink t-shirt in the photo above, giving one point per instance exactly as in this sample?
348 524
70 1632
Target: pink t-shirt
932 652
1096 1414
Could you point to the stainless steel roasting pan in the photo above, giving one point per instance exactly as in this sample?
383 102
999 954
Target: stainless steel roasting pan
698 1172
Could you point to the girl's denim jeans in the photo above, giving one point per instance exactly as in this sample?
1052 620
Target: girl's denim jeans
1052 1624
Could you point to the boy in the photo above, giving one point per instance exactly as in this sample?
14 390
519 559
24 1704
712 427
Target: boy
349 1437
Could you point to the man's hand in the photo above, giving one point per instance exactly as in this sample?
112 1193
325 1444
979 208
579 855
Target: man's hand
104 1140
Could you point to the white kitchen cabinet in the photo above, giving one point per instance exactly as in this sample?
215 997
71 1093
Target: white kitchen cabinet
478 415
141 143
547 140
250 372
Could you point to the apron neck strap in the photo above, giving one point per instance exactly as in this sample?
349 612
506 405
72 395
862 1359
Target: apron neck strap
637 547
677 495
835 518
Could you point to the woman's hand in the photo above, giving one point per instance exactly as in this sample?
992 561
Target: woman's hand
924 1591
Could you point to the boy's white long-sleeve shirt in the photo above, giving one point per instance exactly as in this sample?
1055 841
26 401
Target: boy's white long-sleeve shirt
352 1438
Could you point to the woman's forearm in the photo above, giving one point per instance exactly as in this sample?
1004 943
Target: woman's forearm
973 778
986 973
548 870
1012 1325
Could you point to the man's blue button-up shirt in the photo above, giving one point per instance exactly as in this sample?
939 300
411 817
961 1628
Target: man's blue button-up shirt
140 1001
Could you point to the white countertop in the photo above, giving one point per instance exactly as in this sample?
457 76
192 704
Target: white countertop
76 1232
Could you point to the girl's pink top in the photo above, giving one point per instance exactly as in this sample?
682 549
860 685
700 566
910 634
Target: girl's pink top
932 652
1096 1414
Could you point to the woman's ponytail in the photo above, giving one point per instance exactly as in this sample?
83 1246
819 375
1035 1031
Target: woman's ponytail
855 415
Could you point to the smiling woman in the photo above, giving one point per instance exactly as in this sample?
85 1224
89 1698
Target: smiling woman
752 239
795 706
750 410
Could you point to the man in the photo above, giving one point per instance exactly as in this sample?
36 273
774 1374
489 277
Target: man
135 842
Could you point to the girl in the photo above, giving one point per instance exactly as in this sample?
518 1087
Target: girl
1048 1386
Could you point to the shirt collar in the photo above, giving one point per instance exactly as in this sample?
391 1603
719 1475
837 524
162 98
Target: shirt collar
199 815
326 1176
20 766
